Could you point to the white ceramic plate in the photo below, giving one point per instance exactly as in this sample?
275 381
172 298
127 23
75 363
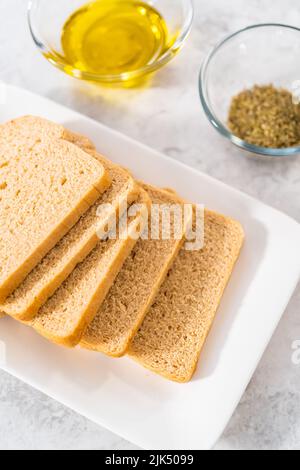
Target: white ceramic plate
118 394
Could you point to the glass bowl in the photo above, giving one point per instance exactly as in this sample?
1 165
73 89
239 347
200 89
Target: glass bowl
262 54
47 18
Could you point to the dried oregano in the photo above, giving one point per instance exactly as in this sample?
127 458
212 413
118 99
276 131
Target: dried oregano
266 116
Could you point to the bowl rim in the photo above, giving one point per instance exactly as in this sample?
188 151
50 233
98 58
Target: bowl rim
127 76
216 123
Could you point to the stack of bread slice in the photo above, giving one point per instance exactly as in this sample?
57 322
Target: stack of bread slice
64 275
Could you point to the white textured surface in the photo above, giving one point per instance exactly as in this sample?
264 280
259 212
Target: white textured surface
168 117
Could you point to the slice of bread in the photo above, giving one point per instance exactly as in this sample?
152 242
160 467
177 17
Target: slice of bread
136 286
66 315
46 184
174 331
24 303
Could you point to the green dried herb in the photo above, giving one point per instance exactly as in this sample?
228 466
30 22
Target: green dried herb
266 116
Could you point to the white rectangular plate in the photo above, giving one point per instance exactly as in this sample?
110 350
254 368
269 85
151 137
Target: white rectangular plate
120 395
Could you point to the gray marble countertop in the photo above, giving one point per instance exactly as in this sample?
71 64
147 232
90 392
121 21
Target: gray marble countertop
168 117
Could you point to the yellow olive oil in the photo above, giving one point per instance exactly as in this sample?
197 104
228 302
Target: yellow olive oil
110 37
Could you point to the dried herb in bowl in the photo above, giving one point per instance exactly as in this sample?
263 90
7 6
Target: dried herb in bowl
266 116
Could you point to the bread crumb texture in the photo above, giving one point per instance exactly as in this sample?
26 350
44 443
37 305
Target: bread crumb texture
174 331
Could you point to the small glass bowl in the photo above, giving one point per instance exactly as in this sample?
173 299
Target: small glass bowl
262 54
47 18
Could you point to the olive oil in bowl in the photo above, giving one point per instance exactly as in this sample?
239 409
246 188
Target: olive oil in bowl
114 37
